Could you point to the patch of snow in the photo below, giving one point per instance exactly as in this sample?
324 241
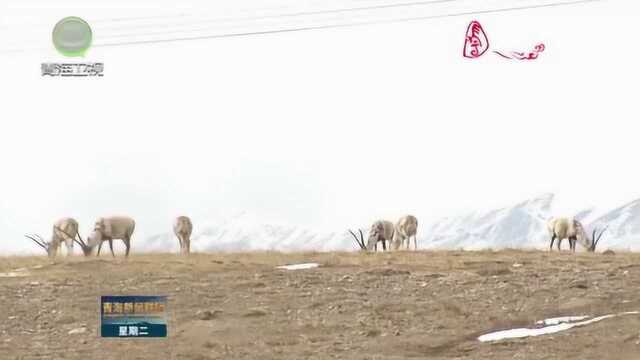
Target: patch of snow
551 329
13 274
299 266
560 320
81 330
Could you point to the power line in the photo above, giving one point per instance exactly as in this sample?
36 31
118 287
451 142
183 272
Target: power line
319 27
136 18
231 19
300 13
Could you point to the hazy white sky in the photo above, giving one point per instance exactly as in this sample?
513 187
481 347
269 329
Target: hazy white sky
322 128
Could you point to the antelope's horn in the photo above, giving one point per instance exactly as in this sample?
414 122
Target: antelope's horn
596 241
80 238
356 238
78 242
36 241
41 239
66 233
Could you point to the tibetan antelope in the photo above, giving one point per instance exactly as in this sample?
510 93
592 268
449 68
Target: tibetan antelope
574 231
109 229
406 227
381 230
182 228
64 230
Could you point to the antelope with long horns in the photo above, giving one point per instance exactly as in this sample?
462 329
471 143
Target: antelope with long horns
381 230
406 227
574 231
182 228
61 230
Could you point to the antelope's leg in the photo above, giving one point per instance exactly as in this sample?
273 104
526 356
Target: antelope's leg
99 247
69 244
415 242
128 245
560 242
384 246
111 247
553 238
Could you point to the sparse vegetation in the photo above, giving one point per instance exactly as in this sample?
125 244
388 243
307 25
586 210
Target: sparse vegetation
392 305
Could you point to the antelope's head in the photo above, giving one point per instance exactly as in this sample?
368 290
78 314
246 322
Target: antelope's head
94 238
376 233
97 234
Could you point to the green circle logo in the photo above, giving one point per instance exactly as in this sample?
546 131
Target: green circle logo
72 36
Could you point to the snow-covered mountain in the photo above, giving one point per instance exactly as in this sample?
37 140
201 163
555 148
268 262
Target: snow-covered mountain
522 225
245 232
623 224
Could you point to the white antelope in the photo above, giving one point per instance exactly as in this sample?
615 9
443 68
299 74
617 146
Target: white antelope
381 230
574 231
182 228
64 230
406 227
109 229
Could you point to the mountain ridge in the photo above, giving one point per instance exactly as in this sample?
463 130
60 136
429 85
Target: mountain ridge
521 226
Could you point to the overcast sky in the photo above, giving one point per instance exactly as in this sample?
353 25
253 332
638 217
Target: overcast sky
321 128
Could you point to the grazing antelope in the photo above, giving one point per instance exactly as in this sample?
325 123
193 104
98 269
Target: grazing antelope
406 227
109 229
381 230
183 227
574 231
61 230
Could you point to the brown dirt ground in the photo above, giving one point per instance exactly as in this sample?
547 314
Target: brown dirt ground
394 305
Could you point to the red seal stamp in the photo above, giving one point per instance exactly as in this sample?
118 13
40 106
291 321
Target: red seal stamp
476 42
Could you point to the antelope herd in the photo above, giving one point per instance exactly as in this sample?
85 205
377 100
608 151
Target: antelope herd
391 235
386 231
407 226
104 229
